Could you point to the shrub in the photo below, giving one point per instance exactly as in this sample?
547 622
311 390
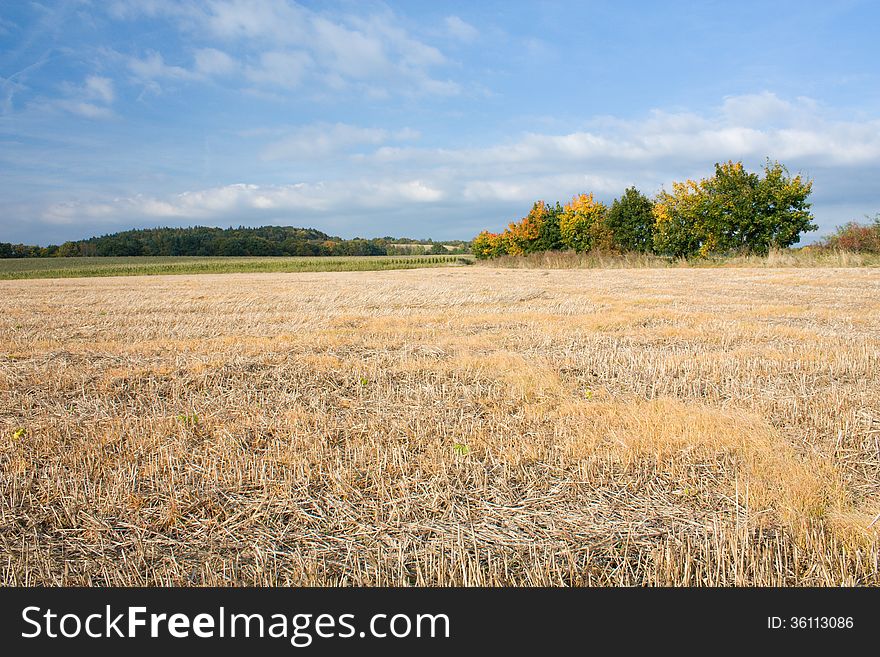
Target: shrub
856 237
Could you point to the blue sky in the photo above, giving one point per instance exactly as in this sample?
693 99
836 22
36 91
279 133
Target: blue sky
417 118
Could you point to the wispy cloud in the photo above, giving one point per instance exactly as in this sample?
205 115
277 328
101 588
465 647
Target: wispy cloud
92 99
213 62
320 140
460 29
84 109
280 69
99 88
283 44
740 128
6 26
152 67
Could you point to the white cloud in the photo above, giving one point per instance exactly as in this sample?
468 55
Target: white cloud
152 67
406 134
320 140
409 51
274 20
230 201
551 187
91 100
211 62
84 109
756 109
131 9
286 42
100 88
280 69
461 30
349 53
676 140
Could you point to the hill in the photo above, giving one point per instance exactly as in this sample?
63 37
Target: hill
241 241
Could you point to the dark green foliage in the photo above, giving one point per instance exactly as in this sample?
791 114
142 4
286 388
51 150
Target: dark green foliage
549 235
204 241
748 213
782 209
631 221
8 250
733 212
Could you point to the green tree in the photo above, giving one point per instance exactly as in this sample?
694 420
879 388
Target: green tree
631 221
734 211
68 250
549 235
782 208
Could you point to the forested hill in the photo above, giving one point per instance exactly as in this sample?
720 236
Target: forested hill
241 241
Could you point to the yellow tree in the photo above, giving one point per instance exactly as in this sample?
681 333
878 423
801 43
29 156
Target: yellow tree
582 225
679 230
488 245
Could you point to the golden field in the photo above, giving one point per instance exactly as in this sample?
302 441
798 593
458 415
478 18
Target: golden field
470 426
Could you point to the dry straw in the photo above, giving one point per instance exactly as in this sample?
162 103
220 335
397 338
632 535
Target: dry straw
475 426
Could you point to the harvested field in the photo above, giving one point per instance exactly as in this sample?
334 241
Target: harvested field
469 426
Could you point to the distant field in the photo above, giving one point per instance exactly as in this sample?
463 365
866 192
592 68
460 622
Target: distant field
459 426
17 268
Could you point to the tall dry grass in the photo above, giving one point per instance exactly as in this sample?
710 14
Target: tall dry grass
808 257
447 427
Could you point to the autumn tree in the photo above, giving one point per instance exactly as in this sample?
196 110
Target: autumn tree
488 245
734 211
582 225
522 236
678 226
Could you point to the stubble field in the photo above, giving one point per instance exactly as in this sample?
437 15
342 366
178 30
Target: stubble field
468 426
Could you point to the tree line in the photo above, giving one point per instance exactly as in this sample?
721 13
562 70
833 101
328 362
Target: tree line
241 241
732 211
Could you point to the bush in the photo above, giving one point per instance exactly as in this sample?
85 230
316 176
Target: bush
856 237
